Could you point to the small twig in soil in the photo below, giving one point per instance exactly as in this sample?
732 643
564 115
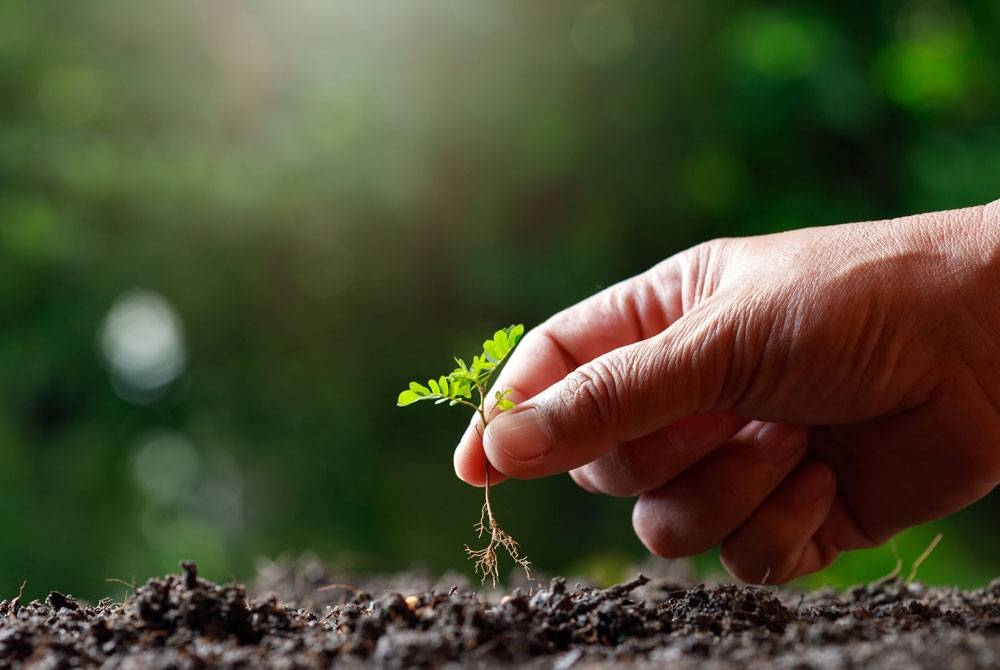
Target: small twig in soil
899 564
331 587
923 557
15 604
343 587
190 574
115 580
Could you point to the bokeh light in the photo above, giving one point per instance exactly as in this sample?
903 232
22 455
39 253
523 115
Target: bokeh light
166 467
143 344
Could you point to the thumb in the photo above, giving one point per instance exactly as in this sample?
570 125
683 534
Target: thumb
623 395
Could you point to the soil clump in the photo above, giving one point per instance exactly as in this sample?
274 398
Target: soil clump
183 621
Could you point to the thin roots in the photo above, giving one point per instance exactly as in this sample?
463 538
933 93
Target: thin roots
923 557
899 563
486 562
485 559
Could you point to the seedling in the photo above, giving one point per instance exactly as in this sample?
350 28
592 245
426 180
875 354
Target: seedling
456 388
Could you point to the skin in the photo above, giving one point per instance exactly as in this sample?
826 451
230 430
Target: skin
787 397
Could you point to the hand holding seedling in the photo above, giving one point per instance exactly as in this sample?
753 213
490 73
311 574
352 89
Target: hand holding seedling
457 388
789 396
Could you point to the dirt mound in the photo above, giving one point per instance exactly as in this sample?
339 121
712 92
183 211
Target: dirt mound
183 621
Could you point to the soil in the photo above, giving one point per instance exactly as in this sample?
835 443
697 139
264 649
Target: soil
183 621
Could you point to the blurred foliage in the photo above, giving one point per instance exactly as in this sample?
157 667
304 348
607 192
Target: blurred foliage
225 226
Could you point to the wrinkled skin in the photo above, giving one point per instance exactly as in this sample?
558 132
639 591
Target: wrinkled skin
789 396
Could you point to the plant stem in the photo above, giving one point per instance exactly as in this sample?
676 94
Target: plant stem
486 558
487 487
486 461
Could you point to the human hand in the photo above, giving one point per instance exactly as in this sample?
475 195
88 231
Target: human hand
788 396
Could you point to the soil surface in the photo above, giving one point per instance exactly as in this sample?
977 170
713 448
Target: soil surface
183 621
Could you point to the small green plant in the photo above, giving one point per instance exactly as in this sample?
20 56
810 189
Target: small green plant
458 388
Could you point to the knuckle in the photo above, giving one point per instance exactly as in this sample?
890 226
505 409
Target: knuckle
715 247
700 271
592 391
725 352
705 252
535 337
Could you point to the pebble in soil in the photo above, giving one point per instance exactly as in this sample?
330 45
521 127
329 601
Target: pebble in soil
183 621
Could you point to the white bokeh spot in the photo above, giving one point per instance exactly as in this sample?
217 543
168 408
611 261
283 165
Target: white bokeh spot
143 343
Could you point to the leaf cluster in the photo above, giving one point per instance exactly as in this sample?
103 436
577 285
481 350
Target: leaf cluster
457 386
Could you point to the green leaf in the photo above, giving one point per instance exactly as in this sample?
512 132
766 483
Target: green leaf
514 334
503 402
492 351
458 383
503 342
481 368
457 386
407 397
500 337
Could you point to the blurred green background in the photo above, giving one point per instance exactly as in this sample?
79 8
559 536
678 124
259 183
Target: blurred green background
230 231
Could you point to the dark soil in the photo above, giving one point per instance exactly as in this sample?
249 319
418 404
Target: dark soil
183 621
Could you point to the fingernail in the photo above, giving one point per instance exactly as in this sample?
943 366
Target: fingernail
814 483
778 442
520 434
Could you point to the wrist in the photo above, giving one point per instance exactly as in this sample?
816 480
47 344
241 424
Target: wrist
976 233
990 231
982 234
965 244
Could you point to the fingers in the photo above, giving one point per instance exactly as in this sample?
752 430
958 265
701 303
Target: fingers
710 500
537 361
801 529
620 396
620 315
649 462
778 542
470 458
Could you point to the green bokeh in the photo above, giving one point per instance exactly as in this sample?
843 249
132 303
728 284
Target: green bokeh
334 196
